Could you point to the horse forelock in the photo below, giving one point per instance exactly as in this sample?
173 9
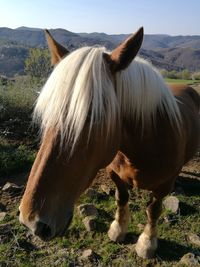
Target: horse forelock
78 90
81 89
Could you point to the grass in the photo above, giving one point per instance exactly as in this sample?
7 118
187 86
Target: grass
15 158
181 81
20 250
17 98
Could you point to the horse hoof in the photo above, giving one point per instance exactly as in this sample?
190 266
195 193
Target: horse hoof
116 233
146 246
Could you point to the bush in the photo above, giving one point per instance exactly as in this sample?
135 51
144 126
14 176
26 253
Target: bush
172 74
17 98
196 76
38 63
14 158
185 75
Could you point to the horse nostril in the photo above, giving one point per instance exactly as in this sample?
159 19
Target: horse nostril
43 231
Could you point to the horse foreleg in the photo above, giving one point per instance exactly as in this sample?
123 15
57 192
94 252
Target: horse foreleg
147 241
119 226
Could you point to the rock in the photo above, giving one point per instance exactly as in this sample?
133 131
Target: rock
171 203
5 228
92 193
11 188
87 210
106 189
190 259
90 223
2 216
5 233
194 239
88 254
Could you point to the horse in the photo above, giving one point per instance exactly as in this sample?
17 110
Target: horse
113 110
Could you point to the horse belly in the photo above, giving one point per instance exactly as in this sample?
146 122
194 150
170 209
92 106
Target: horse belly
144 174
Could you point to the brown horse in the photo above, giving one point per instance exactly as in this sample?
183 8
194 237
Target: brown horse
101 109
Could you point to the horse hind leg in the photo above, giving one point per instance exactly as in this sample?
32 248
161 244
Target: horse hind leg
119 226
147 241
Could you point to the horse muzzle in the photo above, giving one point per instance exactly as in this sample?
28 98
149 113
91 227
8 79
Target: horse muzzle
44 230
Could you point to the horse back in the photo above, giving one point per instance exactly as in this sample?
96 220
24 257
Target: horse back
189 105
188 94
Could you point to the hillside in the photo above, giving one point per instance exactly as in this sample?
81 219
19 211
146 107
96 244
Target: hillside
164 51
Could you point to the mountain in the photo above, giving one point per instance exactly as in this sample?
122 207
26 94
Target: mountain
164 51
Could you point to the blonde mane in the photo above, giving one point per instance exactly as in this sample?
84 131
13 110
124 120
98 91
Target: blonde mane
80 88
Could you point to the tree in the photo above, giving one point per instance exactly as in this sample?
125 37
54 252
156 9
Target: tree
37 64
172 74
185 74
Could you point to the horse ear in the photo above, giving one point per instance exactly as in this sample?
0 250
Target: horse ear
123 55
57 50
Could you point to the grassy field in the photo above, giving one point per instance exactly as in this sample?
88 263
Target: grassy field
18 248
181 81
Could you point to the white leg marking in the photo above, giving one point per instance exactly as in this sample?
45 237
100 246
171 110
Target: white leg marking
119 226
146 244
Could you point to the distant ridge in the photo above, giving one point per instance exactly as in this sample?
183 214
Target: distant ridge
164 51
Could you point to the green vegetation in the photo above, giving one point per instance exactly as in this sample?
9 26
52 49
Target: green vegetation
14 158
184 75
37 64
181 81
17 138
17 98
22 250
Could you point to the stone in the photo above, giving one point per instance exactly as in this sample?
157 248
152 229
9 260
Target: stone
90 223
2 216
87 254
106 189
92 193
11 188
190 259
87 210
194 239
171 203
5 228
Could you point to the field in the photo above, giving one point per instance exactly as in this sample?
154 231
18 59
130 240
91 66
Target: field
181 81
18 145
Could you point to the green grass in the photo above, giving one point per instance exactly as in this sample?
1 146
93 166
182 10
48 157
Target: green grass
17 98
19 250
180 81
14 158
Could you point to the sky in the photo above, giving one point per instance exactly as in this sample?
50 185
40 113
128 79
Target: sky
174 17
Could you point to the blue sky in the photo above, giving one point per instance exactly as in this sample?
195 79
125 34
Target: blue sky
175 17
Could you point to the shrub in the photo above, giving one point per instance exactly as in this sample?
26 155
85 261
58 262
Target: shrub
185 74
17 98
196 76
172 74
14 158
38 63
